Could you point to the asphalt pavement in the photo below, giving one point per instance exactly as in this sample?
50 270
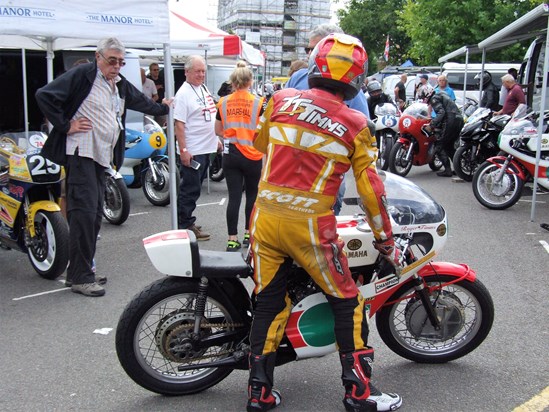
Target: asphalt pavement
57 348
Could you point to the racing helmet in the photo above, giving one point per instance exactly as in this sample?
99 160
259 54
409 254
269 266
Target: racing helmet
426 92
338 62
483 78
374 87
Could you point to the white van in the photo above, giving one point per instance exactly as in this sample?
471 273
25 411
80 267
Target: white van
455 72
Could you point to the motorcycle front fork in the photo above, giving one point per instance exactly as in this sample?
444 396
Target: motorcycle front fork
423 294
503 169
152 166
409 152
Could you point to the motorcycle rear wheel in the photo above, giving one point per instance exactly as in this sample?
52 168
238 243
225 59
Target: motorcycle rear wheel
397 160
116 205
467 314
154 332
496 195
49 248
464 166
158 193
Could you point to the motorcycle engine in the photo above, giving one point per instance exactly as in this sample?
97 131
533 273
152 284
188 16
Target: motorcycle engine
300 285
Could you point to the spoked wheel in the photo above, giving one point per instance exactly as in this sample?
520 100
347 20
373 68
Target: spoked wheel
496 191
155 335
116 205
398 163
464 164
466 311
386 145
157 191
49 248
435 164
216 168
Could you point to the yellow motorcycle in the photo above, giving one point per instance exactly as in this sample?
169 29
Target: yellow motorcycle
30 218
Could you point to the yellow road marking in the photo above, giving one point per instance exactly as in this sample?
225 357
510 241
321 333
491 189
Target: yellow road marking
538 403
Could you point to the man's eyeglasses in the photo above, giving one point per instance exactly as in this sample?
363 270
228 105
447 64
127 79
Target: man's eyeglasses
308 49
113 61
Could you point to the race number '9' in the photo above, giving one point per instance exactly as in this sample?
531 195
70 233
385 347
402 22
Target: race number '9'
40 166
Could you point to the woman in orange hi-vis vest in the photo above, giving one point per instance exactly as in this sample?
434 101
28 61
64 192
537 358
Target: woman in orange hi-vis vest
236 120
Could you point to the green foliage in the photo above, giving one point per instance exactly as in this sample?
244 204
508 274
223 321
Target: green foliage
371 21
425 30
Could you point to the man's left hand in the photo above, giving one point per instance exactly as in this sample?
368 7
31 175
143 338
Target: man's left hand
391 253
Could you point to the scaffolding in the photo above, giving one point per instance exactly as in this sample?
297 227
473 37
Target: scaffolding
279 28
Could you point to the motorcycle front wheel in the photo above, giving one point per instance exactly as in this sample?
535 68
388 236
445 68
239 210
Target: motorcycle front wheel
116 205
49 249
215 170
155 335
466 311
465 164
493 191
397 159
158 192
387 141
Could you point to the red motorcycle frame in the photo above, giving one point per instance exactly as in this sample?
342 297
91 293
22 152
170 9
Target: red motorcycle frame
415 146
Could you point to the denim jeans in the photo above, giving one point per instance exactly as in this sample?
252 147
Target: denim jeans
189 190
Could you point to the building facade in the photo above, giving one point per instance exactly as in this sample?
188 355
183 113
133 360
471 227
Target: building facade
280 28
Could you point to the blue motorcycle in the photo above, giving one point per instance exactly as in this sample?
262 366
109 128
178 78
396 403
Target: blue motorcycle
146 166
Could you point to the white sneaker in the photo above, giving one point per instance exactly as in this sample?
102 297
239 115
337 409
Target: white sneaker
385 401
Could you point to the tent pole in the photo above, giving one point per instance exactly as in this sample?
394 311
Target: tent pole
481 76
540 122
25 97
49 59
465 76
169 92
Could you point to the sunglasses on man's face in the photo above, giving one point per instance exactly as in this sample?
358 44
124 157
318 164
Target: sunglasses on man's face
113 61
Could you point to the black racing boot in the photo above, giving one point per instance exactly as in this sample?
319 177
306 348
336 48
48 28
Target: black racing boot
357 370
447 172
261 396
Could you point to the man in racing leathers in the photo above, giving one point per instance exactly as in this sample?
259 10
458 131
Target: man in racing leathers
311 139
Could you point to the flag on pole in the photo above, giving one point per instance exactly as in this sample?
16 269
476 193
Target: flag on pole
386 52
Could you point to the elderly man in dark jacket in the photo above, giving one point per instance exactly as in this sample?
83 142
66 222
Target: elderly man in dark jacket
87 108
447 124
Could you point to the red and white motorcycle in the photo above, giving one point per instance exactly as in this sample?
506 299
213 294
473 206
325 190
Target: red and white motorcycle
186 332
498 182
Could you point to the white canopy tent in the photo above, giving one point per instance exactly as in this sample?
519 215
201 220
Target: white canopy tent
61 24
533 24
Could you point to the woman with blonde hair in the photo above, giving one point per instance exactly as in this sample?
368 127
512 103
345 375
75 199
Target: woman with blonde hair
236 120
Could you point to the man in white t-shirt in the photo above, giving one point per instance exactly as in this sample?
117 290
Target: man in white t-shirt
194 114
149 88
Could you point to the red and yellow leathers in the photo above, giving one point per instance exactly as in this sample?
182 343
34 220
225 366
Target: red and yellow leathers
311 139
239 116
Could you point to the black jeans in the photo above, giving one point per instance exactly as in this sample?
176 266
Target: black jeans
239 170
189 190
85 193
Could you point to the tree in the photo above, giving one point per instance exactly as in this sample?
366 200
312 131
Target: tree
437 27
371 21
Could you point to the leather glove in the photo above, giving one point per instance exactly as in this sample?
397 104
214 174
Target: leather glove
391 253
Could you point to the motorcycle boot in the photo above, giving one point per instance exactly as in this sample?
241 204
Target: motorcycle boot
360 394
447 172
261 396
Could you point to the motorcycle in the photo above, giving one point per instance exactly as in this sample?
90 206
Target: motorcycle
386 123
478 141
30 219
498 182
188 331
416 145
215 171
116 203
145 165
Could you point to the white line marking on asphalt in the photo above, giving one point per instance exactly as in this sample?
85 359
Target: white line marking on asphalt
139 213
545 245
41 293
103 331
221 203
